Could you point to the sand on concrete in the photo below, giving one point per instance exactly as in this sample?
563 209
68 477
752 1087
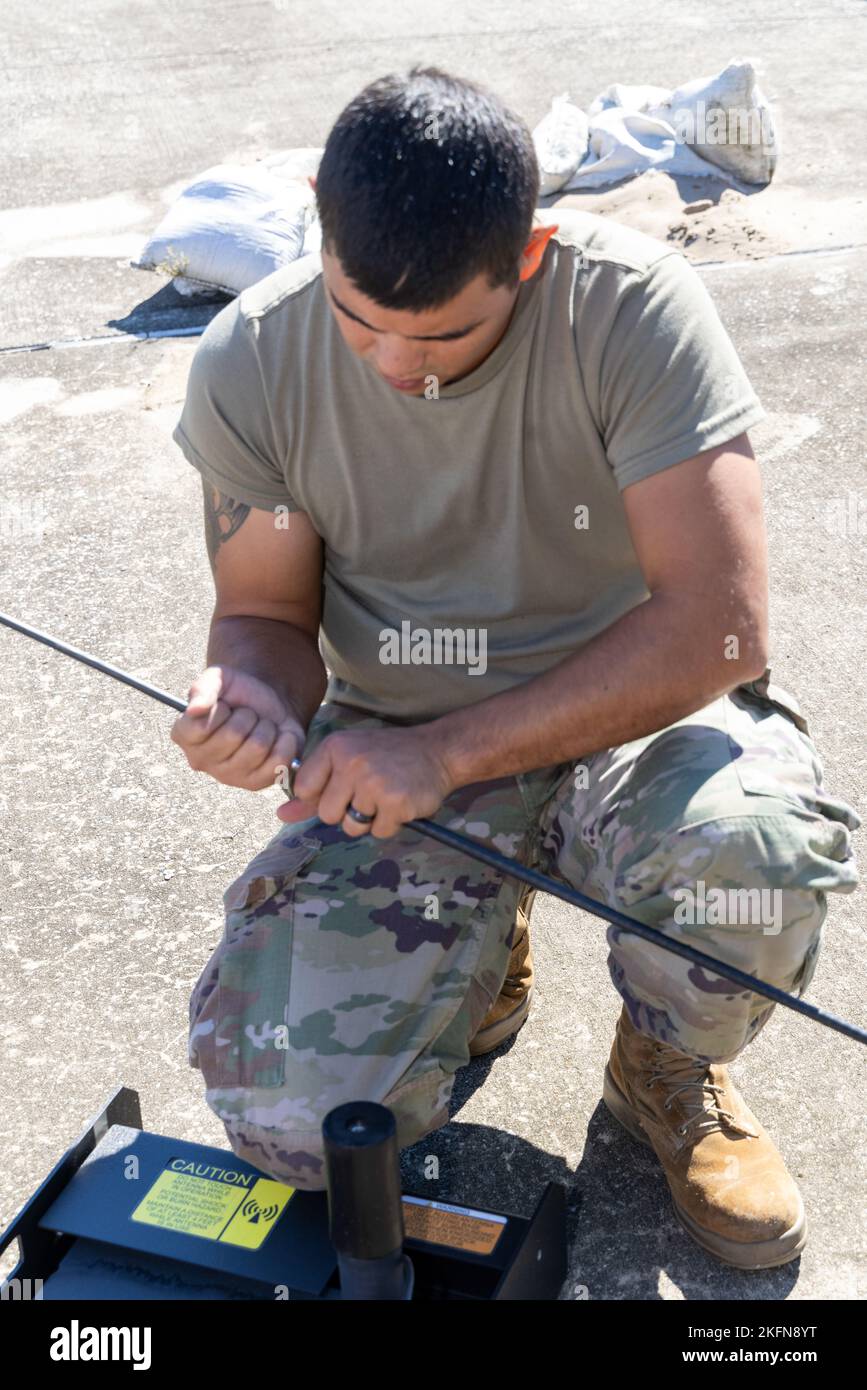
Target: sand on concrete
712 219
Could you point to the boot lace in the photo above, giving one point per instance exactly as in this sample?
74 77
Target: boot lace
691 1075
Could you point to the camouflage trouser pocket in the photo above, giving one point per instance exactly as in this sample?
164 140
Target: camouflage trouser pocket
763 694
239 1011
773 757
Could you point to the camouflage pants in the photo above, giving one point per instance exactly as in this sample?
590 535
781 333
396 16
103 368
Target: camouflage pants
360 968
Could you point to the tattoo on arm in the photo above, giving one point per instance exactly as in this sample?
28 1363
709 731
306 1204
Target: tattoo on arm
223 517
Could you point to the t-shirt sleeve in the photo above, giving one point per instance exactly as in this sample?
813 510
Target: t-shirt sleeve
671 382
226 429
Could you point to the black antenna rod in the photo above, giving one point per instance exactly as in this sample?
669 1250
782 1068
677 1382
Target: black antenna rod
511 867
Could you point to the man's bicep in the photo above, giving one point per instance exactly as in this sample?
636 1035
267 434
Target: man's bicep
699 534
266 563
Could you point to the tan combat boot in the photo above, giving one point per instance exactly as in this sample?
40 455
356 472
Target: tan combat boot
509 1010
729 1184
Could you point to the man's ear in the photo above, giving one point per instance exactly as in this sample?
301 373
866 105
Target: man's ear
311 179
531 256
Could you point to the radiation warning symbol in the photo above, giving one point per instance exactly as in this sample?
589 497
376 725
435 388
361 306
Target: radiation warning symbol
254 1213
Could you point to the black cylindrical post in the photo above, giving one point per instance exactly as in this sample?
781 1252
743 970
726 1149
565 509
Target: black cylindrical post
365 1213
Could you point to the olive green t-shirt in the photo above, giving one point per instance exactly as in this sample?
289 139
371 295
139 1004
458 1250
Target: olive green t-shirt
475 538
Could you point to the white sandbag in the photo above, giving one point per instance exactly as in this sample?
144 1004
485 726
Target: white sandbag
727 119
294 165
312 237
630 98
195 289
625 142
230 227
560 140
714 123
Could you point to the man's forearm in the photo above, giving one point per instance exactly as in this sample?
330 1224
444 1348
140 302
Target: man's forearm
655 665
284 656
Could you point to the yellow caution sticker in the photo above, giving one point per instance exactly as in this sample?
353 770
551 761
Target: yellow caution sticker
444 1224
257 1214
201 1199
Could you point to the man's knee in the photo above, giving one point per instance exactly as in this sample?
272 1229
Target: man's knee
756 868
729 787
284 1139
748 890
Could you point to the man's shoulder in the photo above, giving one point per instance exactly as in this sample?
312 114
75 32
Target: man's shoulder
290 286
601 241
257 340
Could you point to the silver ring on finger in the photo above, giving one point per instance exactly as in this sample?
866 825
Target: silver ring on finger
360 816
294 769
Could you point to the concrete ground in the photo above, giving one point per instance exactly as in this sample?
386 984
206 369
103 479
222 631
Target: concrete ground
114 854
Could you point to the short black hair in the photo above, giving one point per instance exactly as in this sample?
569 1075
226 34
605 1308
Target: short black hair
425 182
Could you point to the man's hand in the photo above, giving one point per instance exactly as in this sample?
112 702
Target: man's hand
237 729
396 774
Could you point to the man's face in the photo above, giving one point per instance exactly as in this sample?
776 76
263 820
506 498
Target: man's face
406 348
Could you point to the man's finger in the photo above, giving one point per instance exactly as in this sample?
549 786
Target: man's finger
255 751
384 827
289 745
191 731
335 798
354 828
205 691
291 811
225 744
313 776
